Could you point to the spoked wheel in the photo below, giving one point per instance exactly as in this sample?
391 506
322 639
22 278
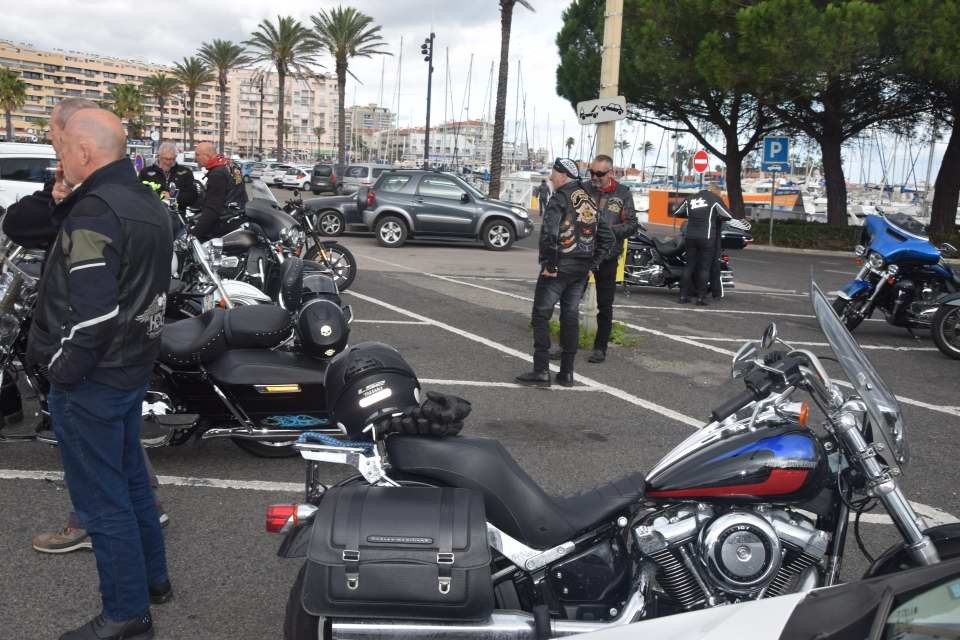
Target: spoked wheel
946 330
339 259
497 235
267 448
851 311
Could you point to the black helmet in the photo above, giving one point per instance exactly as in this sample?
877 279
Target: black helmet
322 328
319 285
366 382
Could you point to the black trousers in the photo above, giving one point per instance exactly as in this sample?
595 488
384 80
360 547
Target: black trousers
699 256
542 203
606 280
567 289
716 289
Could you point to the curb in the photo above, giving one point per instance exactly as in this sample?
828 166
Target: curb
821 252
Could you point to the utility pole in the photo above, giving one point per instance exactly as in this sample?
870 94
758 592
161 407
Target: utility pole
426 49
928 192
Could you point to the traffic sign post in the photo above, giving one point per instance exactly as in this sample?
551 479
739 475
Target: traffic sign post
701 161
776 159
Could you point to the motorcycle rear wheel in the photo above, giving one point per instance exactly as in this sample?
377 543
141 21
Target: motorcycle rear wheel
297 623
946 322
266 449
849 311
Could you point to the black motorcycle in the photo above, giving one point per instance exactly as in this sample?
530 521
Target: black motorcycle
945 326
652 262
447 537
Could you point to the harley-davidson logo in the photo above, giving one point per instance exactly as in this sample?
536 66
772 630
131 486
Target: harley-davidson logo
398 540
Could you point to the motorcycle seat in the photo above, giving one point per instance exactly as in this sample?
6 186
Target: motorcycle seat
670 247
263 367
515 504
206 337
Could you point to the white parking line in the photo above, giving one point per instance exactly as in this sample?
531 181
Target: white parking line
843 273
498 385
738 312
388 322
932 515
875 347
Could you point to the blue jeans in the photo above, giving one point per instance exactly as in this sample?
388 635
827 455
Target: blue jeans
567 289
98 429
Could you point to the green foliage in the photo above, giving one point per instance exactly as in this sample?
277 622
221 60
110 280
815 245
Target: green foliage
580 42
127 102
13 95
796 234
223 56
161 87
192 73
619 335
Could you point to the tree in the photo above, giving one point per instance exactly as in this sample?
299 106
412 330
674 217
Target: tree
13 95
679 64
43 128
161 87
127 102
193 73
222 56
825 69
645 149
290 48
318 134
500 113
345 34
926 34
569 145
622 146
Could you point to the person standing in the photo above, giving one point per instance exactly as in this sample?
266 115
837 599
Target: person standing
615 203
224 188
166 170
96 332
573 240
543 196
705 213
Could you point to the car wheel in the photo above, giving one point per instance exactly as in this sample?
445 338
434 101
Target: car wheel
391 231
330 223
497 235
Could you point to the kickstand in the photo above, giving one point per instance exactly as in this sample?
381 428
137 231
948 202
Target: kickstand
912 334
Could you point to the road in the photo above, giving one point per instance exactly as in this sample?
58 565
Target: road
460 315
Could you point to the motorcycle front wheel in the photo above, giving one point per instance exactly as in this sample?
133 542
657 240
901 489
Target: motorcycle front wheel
851 311
946 330
340 260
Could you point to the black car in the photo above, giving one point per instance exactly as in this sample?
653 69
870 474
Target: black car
324 178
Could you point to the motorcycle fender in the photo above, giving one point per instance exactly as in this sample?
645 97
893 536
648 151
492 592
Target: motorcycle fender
853 288
945 537
296 541
950 300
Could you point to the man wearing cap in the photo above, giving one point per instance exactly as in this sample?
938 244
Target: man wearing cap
573 240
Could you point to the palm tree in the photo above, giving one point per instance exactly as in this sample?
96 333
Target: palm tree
193 73
127 102
13 95
622 147
43 125
346 33
223 56
161 86
646 148
318 133
291 48
569 145
496 154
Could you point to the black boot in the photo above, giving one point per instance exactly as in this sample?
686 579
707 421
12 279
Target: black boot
565 379
598 356
535 378
102 628
161 593
556 354
701 302
683 299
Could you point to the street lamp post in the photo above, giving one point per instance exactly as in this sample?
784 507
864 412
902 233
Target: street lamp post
426 49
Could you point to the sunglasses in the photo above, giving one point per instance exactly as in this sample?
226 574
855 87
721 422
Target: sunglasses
598 174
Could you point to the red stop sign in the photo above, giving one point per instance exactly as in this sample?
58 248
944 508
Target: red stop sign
700 161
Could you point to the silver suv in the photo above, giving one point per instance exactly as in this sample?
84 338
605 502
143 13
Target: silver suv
357 176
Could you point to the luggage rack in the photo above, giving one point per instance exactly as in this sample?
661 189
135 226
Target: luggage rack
316 447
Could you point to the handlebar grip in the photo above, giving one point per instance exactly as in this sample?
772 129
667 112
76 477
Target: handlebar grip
733 405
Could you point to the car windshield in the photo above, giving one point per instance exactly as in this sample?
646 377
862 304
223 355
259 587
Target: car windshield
886 417
471 189
262 191
906 223
322 170
931 614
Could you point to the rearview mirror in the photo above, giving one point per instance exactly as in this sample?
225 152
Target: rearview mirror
743 361
769 336
946 247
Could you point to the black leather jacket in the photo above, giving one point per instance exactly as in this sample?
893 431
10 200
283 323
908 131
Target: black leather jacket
103 291
224 187
573 235
180 176
705 213
618 210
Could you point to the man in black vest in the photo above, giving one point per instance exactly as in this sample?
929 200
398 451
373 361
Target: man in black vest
166 170
573 240
96 332
224 188
705 213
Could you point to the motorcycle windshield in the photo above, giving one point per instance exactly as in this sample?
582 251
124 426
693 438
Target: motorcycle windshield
262 192
886 417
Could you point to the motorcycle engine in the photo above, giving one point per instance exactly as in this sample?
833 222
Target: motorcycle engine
642 269
705 556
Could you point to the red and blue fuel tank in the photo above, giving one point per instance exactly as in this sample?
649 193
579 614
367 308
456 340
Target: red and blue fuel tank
780 465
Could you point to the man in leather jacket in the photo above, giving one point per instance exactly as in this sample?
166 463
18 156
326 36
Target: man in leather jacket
574 239
705 213
224 188
616 206
96 332
166 170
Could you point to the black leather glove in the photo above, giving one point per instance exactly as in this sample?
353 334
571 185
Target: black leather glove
440 415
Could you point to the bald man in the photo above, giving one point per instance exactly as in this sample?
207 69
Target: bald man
224 188
96 332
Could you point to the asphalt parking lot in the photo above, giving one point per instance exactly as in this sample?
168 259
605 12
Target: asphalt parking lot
460 315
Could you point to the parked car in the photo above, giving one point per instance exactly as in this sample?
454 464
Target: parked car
273 173
252 169
422 204
199 174
333 215
357 176
297 178
325 177
23 169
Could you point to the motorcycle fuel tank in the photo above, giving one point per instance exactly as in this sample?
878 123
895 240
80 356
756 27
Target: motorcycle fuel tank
778 465
238 241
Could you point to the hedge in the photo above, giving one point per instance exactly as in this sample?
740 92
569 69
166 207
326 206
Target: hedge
796 234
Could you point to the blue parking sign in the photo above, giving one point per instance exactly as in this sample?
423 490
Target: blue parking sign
776 154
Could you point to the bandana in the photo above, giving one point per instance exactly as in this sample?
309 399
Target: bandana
567 166
610 188
217 161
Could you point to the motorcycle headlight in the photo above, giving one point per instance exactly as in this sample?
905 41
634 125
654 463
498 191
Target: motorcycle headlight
520 211
214 251
291 236
876 261
893 269
859 250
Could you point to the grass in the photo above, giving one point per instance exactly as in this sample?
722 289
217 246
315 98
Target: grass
619 335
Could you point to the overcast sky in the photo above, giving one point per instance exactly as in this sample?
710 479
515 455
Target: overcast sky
172 29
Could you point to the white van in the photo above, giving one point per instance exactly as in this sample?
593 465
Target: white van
23 169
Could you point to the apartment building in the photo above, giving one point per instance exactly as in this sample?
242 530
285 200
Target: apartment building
467 142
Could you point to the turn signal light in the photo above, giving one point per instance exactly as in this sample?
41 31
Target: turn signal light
278 515
804 414
371 199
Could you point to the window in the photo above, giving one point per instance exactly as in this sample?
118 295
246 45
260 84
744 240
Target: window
440 187
26 169
378 172
357 171
394 183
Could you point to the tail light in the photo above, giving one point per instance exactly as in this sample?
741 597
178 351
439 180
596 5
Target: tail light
371 199
283 517
333 178
301 175
725 258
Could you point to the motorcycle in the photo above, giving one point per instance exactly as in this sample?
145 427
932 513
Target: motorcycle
652 262
903 275
754 505
338 257
945 326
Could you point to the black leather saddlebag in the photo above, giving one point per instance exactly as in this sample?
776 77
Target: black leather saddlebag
399 552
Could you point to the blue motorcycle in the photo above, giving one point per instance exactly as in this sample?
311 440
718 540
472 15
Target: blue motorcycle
903 275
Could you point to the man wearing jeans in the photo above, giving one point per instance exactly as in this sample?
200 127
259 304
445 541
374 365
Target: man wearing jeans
96 331
573 240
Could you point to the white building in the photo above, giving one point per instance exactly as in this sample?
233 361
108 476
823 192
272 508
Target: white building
459 143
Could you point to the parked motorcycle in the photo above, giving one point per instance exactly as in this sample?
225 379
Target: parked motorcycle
754 505
945 327
338 257
903 275
652 262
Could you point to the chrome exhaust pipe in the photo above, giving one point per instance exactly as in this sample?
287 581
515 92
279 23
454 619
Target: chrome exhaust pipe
262 434
502 625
